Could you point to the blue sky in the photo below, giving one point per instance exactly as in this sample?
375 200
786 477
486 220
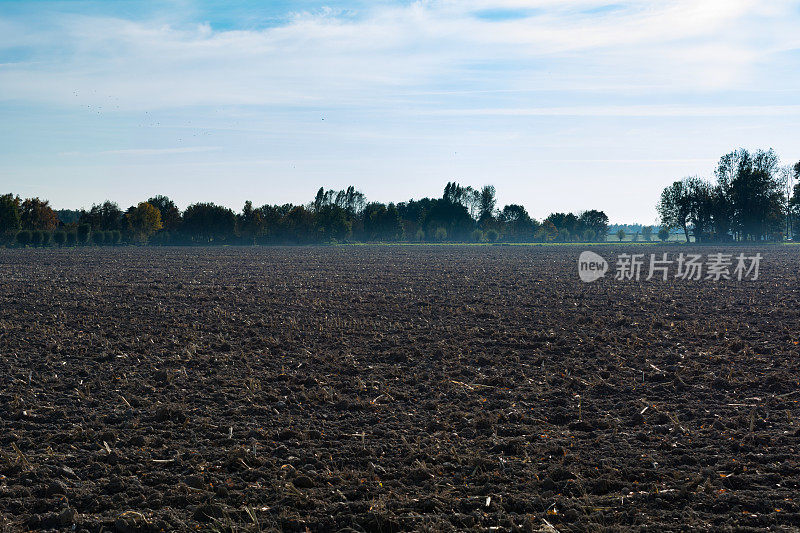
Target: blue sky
563 105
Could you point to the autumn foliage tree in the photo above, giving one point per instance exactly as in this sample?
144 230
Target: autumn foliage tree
144 220
36 214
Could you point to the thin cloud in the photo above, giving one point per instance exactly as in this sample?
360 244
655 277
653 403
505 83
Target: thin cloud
421 92
331 58
147 151
629 111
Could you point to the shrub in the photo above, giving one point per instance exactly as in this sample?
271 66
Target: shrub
563 235
621 235
589 235
477 236
108 237
663 234
419 236
72 238
47 237
98 237
492 235
36 238
440 234
24 237
60 237
163 238
83 233
116 236
635 237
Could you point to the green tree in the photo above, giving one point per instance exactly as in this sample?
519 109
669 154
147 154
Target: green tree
675 206
794 201
60 237
663 234
454 218
208 222
488 201
251 223
331 223
547 232
299 225
24 237
9 214
106 216
620 234
754 192
517 223
83 232
382 222
170 214
68 216
594 220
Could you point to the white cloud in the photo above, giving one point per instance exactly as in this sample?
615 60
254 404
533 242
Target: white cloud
551 102
390 51
630 111
146 151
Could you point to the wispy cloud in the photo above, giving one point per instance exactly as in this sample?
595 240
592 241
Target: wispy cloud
147 151
162 151
325 57
630 111
416 92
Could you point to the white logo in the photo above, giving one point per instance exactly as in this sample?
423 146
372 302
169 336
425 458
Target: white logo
591 266
719 266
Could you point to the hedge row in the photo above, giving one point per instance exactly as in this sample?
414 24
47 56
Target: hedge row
67 238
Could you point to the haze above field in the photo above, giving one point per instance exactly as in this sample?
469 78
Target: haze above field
562 105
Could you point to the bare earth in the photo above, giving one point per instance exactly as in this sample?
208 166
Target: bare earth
393 388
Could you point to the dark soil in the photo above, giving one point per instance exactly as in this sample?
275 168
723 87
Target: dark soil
393 388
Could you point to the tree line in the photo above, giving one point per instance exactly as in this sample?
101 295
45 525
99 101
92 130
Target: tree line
461 214
751 199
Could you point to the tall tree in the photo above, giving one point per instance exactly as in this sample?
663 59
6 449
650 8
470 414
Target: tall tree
595 221
567 221
752 184
107 217
170 214
9 214
208 222
299 224
144 220
382 222
251 223
794 202
518 224
675 206
700 207
488 201
36 214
